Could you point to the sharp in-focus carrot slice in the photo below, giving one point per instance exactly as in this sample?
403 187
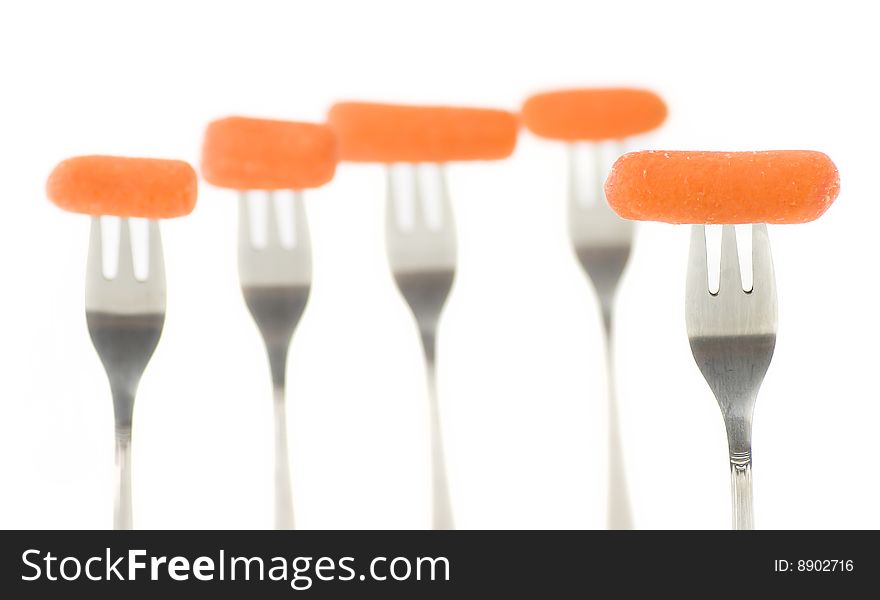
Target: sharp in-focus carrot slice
389 133
261 154
781 186
149 188
593 114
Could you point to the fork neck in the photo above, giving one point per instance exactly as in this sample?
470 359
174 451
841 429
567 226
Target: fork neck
739 437
608 319
429 345
123 405
278 364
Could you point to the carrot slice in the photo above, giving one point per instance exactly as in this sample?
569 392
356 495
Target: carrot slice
389 133
593 114
261 154
150 188
781 186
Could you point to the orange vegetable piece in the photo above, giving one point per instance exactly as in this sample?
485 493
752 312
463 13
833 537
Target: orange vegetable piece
262 154
150 188
780 186
593 114
388 133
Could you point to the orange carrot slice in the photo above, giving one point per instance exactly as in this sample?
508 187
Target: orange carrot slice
593 114
150 188
261 154
782 186
388 133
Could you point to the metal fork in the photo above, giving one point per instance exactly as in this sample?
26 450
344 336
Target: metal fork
732 335
125 317
602 242
422 260
275 282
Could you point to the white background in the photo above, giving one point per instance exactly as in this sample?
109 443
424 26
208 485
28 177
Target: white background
521 371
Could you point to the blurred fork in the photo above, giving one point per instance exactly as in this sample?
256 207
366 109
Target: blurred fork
125 317
422 260
602 242
732 335
275 282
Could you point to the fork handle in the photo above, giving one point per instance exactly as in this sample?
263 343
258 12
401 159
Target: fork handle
741 490
441 502
619 510
122 518
283 493
442 512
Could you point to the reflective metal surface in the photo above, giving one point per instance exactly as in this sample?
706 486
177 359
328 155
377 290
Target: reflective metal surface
275 282
602 242
125 317
422 259
732 335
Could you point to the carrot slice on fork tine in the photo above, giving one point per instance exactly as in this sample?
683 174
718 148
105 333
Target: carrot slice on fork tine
148 188
781 186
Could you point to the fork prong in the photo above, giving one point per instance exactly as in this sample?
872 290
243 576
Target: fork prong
575 177
698 269
244 221
392 223
446 218
763 279
273 234
390 215
95 264
420 219
156 272
125 268
598 181
731 279
300 224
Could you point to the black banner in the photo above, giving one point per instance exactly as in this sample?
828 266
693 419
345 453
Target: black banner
425 564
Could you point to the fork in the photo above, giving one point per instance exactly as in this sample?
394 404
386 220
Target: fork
275 282
125 317
422 260
602 242
732 334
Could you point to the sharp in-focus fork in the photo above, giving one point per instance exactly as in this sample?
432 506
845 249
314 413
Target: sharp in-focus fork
125 317
275 282
422 260
602 242
732 335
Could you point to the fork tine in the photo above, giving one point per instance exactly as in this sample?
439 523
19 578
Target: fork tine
420 221
730 272
300 225
446 218
598 182
95 264
273 235
698 269
763 279
391 220
244 221
577 220
574 176
125 268
392 205
156 273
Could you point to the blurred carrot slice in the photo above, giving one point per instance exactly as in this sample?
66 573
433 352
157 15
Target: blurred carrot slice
593 114
389 133
150 188
262 154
